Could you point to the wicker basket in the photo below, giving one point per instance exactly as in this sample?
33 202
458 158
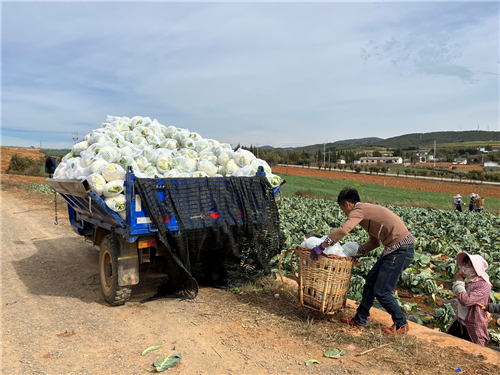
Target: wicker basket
480 202
323 284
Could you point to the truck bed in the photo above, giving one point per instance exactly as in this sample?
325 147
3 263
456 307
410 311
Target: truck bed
85 206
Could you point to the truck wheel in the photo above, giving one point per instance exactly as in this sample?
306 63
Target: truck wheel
108 273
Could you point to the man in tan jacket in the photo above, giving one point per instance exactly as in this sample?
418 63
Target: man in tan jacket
386 228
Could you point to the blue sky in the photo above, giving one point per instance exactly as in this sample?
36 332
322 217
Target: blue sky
284 74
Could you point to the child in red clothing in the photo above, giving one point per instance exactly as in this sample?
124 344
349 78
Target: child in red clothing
472 287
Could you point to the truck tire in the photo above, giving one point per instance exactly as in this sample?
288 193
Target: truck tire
114 294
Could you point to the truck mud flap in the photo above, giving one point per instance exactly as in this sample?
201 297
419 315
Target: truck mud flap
128 270
127 261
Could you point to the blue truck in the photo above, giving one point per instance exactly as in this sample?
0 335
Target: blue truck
172 227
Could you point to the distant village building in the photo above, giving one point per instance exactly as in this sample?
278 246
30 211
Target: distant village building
340 161
422 156
357 161
382 159
491 164
460 161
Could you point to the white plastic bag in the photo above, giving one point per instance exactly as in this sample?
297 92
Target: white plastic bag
169 143
60 172
116 203
188 143
208 156
187 153
113 188
184 165
199 174
207 167
243 157
171 173
80 147
97 165
152 172
224 157
247 170
113 172
311 242
96 183
336 249
142 162
350 248
232 166
109 154
164 163
127 161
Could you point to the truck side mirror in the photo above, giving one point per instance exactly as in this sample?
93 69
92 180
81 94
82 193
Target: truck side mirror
50 165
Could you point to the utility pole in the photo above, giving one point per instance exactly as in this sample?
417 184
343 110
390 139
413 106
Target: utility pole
434 154
324 155
257 150
287 162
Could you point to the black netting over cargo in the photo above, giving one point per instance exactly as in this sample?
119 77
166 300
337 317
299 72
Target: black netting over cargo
228 228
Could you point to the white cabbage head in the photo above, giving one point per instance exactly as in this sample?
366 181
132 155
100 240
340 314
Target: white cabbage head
225 156
96 183
113 172
80 147
207 167
243 157
117 203
113 188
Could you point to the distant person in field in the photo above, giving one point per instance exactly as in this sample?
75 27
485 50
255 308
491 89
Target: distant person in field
478 207
472 201
457 199
385 227
472 287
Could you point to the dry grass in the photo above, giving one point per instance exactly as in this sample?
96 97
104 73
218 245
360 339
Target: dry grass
10 185
404 353
27 194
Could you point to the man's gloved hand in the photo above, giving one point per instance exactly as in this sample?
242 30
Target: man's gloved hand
316 251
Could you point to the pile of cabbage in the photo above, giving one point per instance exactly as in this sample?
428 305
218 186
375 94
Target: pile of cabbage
152 150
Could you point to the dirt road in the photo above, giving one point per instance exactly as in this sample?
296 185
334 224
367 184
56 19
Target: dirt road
55 321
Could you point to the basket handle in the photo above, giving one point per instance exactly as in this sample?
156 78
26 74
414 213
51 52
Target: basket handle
293 271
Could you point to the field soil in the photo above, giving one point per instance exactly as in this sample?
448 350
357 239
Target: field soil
450 187
55 321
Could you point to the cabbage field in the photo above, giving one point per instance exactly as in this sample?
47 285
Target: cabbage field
440 235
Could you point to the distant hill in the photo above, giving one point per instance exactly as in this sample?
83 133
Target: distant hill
337 144
415 139
403 141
